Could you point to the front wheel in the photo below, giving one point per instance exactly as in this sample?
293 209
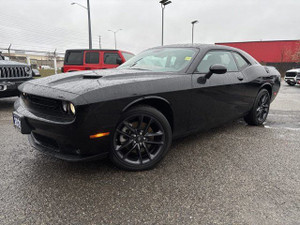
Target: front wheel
141 139
291 84
258 114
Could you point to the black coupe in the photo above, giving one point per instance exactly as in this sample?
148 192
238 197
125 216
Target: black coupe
133 112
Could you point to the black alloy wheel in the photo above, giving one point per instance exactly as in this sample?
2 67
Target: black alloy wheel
141 139
260 110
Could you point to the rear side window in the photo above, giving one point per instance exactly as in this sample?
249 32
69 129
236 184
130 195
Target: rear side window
74 58
127 56
241 62
217 57
111 58
92 57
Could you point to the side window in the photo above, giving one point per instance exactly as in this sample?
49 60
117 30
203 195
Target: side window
92 57
74 58
241 62
217 57
111 58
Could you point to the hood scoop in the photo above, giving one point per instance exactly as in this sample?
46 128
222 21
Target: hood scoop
91 77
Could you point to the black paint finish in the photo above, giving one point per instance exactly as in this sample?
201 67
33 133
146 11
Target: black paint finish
101 96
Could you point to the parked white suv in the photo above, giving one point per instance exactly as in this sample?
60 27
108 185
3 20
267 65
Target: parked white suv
292 76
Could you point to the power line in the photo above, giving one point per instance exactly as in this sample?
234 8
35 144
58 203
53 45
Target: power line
18 21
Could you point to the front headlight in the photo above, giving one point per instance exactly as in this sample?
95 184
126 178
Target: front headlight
72 108
68 107
27 70
65 107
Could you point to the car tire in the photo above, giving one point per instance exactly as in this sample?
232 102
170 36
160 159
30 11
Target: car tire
141 139
292 84
259 112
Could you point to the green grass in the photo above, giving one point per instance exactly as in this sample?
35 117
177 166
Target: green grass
46 72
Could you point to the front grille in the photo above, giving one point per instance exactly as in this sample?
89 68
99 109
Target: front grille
13 72
290 74
42 102
44 105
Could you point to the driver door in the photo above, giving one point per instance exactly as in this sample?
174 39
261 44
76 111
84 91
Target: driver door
214 102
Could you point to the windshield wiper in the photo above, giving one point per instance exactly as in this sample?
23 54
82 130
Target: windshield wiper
134 64
139 68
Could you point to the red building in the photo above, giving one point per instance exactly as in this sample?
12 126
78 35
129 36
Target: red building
283 54
269 51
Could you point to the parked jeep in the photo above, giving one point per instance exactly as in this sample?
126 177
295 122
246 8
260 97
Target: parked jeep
292 76
12 74
87 59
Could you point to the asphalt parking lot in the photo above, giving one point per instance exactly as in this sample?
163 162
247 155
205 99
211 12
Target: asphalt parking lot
235 174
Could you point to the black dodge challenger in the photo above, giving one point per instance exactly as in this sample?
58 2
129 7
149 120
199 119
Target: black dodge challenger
133 112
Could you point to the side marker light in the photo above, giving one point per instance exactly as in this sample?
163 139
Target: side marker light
99 135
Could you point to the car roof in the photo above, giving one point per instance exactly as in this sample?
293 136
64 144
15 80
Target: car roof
199 46
109 50
93 50
211 47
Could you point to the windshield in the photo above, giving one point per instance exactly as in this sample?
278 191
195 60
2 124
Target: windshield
161 59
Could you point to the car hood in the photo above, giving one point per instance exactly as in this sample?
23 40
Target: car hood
109 84
294 70
11 63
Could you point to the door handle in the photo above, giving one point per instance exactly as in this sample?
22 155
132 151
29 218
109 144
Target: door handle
240 77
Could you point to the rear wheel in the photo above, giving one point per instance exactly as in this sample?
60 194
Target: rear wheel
259 112
141 139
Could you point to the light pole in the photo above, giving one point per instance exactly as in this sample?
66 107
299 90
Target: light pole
193 23
163 4
89 20
115 36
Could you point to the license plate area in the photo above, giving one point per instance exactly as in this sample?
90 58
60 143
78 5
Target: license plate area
20 123
17 121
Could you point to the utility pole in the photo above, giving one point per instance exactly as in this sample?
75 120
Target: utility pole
193 23
9 50
115 36
90 29
99 42
89 20
54 60
163 4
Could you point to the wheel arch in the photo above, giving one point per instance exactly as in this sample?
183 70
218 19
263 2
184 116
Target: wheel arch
159 103
268 87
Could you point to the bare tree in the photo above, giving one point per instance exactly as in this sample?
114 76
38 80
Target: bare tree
296 55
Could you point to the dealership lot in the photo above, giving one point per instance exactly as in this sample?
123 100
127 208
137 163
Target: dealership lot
235 174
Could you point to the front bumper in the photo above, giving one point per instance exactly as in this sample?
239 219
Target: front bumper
66 140
57 153
10 88
290 80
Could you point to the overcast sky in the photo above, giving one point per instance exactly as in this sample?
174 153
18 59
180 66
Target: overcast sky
56 24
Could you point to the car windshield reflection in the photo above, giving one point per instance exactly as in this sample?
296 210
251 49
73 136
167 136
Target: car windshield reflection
161 60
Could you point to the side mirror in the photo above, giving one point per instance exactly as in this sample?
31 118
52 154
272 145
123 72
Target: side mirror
216 68
119 61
